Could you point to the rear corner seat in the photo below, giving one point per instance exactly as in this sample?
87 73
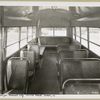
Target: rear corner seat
17 79
54 41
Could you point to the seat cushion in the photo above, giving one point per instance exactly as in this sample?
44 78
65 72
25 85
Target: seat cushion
30 55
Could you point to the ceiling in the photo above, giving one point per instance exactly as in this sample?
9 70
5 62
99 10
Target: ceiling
49 16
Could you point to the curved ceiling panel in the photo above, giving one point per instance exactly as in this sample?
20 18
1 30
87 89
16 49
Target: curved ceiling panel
88 11
17 10
49 16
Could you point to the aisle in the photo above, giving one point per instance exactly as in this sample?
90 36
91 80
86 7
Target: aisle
46 78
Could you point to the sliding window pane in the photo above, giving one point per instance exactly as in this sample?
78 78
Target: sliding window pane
78 38
95 49
84 32
95 35
12 49
29 33
23 43
60 32
29 38
73 30
77 33
12 35
47 32
34 32
84 42
23 32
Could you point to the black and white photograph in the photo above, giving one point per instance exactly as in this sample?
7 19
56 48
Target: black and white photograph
49 50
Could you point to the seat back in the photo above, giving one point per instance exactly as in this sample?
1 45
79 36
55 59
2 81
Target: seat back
54 41
79 68
36 50
70 69
71 47
79 53
91 68
30 55
17 73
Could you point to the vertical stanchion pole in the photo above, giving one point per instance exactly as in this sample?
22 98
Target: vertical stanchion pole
75 32
80 36
88 37
1 48
19 36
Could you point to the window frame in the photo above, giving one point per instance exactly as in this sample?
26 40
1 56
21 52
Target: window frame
17 42
88 39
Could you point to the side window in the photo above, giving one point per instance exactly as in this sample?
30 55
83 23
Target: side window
84 36
73 30
23 37
34 32
95 40
29 34
78 34
12 40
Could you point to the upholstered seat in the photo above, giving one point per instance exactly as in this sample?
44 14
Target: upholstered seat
80 53
30 55
70 47
35 48
79 68
54 41
17 76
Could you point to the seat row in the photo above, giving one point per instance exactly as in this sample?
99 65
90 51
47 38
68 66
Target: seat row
20 69
77 73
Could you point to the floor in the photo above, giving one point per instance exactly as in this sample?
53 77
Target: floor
46 81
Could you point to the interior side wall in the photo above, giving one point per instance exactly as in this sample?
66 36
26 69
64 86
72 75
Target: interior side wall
1 50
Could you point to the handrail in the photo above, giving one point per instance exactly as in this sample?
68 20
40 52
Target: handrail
78 79
17 58
15 42
73 51
97 59
7 93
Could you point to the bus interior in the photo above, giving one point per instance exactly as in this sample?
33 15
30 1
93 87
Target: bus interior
49 50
